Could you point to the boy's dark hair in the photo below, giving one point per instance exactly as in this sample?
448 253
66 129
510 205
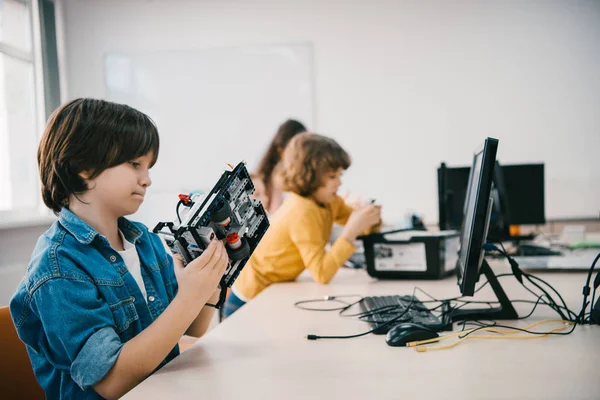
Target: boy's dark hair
90 135
272 156
307 158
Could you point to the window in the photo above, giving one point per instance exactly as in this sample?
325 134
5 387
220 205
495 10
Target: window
19 112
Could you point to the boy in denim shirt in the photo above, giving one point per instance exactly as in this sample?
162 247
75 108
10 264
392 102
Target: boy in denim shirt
102 304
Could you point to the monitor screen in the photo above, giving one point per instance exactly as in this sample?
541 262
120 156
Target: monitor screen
452 192
519 199
476 212
525 193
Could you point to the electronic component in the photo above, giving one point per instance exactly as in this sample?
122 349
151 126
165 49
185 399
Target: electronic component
228 213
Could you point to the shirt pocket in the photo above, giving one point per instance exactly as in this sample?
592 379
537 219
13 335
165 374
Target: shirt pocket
125 315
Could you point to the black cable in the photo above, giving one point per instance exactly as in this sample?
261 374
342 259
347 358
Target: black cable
552 303
391 309
458 298
535 303
539 300
520 330
328 298
518 273
586 288
438 306
425 293
503 248
592 303
221 300
386 309
382 311
550 286
177 209
558 294
315 337
466 302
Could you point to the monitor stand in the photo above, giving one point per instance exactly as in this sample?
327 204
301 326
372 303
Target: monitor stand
504 311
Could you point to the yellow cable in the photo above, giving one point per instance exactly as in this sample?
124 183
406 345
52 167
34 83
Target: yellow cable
504 334
489 329
424 349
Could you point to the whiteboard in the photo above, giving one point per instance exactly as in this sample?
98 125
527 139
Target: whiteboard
212 107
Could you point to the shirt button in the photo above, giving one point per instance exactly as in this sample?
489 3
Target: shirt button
112 258
151 298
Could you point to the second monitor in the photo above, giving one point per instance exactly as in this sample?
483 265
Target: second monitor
518 193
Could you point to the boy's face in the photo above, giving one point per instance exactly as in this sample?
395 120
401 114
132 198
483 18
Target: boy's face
332 181
120 190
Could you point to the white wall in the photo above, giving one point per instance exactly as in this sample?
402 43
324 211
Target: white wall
402 85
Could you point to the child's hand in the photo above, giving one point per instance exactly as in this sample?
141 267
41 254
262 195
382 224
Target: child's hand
199 280
360 221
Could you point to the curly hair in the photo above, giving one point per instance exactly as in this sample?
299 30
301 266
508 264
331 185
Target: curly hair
90 135
307 158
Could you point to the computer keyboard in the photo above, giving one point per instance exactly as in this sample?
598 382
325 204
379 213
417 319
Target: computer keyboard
377 310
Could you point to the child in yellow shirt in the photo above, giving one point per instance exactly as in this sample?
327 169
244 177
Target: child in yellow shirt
301 227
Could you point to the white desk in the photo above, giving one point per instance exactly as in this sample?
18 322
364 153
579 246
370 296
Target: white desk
261 353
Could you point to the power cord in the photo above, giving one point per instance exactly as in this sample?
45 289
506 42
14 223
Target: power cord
586 291
520 274
507 333
315 337
179 203
583 317
347 305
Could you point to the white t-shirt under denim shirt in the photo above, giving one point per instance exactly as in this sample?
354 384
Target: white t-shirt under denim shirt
132 262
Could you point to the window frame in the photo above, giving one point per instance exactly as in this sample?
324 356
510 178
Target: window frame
38 214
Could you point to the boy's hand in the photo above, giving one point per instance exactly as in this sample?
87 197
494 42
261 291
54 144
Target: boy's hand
360 221
199 280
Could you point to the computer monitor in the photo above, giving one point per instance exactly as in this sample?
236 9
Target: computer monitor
518 192
525 193
477 210
452 192
473 236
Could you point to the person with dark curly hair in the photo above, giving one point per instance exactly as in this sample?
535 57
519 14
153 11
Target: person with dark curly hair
299 232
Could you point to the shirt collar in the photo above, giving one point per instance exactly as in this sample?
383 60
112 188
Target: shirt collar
85 234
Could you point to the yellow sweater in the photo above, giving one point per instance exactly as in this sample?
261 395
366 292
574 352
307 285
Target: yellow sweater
296 240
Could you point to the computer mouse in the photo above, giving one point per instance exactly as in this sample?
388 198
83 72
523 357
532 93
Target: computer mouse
401 334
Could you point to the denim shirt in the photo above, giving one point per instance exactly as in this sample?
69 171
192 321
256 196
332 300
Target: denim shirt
77 304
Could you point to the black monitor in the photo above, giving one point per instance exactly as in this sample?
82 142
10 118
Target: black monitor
473 236
518 192
452 192
525 193
477 210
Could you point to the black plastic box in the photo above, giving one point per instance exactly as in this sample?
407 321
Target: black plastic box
411 254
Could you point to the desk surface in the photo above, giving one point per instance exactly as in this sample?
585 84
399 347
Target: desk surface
261 352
